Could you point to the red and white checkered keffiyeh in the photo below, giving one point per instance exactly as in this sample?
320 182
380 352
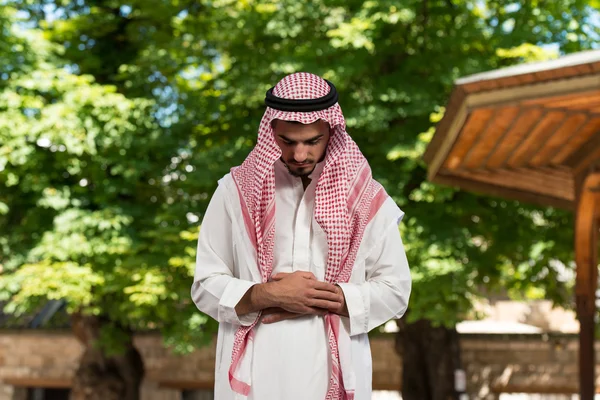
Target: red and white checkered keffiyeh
346 199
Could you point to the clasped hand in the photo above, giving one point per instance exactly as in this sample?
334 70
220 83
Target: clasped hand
300 293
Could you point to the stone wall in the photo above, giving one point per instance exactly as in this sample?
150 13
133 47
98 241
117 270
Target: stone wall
522 364
494 364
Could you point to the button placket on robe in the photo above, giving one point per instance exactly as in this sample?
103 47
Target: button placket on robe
302 228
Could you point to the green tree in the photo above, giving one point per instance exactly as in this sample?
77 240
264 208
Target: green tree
93 213
193 77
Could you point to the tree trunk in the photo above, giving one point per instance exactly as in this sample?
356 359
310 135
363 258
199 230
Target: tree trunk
430 356
101 376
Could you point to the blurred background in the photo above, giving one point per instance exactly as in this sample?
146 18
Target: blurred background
118 118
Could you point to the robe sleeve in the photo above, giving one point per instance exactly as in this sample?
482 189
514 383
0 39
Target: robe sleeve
215 290
386 291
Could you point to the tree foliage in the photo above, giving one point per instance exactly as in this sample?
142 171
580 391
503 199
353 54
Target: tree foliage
115 129
93 212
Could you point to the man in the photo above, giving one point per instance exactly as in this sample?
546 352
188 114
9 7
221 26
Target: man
299 256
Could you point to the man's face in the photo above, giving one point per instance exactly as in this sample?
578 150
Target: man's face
302 146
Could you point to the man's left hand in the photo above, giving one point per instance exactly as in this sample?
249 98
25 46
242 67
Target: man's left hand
273 315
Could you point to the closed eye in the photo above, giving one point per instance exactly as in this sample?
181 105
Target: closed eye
310 142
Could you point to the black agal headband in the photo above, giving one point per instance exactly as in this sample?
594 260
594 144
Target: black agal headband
302 105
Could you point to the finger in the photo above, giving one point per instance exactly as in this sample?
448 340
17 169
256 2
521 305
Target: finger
324 295
325 304
325 286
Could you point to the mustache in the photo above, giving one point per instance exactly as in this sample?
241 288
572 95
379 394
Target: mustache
294 162
289 165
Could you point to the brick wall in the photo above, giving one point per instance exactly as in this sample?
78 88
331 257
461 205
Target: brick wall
494 364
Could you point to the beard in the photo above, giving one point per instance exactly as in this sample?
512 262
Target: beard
300 171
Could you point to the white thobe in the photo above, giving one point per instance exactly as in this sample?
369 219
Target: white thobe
291 358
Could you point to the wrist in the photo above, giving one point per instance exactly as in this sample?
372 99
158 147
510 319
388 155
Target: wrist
263 296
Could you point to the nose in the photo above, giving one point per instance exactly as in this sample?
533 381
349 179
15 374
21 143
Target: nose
300 153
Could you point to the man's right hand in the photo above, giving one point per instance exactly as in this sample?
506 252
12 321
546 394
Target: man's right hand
300 292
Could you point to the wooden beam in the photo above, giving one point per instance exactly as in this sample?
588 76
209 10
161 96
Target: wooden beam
585 101
561 68
562 169
455 123
588 108
546 89
567 144
554 185
454 103
569 111
575 96
478 134
577 140
545 128
587 154
477 122
586 258
480 151
557 140
513 136
490 189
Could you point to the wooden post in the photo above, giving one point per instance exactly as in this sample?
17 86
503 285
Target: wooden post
586 257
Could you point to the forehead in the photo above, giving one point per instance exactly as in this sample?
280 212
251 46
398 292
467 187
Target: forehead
298 131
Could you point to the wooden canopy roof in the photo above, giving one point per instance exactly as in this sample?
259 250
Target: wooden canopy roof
522 132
